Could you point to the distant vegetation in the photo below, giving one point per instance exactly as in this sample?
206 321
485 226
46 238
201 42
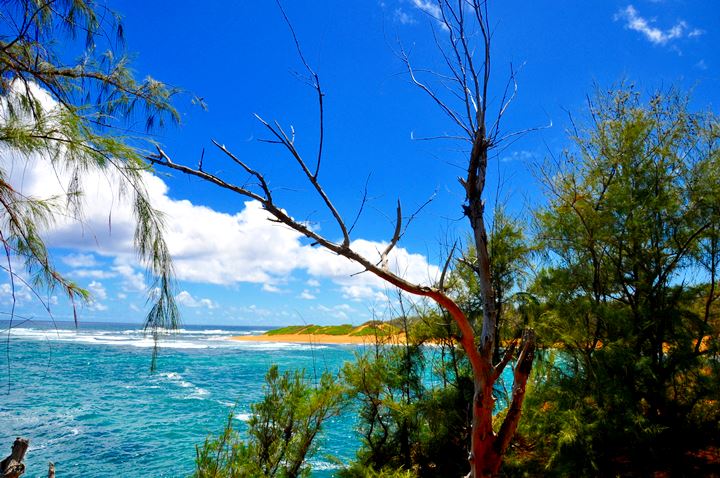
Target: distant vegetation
373 327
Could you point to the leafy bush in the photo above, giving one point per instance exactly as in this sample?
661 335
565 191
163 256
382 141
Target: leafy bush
282 431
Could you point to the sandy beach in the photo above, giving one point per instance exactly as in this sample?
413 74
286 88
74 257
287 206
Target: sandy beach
313 339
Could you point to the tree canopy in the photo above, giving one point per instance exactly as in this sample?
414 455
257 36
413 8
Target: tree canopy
628 293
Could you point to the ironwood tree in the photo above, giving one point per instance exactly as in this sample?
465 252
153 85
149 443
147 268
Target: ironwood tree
79 116
467 55
629 294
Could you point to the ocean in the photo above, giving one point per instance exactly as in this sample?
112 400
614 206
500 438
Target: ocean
88 402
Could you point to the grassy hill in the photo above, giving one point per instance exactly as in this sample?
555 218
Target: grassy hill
375 328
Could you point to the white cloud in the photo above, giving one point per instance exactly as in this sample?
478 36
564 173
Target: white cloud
267 287
133 280
403 17
430 7
92 274
20 292
307 295
97 290
313 283
97 306
80 260
340 312
97 293
521 155
186 299
207 246
655 35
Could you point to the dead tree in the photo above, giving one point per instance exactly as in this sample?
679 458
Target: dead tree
13 466
461 22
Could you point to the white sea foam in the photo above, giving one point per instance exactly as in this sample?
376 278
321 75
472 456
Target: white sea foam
122 338
186 339
197 393
323 465
219 332
243 417
270 346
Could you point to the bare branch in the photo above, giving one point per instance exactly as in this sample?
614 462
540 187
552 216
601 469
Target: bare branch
249 170
288 143
315 84
507 356
363 201
163 159
443 106
395 237
446 266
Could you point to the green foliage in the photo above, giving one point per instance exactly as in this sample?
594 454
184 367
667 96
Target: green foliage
408 424
290 329
414 401
75 116
282 430
374 328
629 218
510 253
371 328
359 471
344 329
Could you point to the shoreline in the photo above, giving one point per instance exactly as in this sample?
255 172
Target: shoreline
318 339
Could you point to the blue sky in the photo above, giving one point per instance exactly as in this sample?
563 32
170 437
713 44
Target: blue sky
236 268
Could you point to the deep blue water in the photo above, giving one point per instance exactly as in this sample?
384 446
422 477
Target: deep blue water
88 402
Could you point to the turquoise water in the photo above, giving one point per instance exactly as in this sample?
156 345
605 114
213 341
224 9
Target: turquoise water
87 400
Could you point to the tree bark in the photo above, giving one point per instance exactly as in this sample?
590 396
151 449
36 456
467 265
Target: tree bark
51 470
13 466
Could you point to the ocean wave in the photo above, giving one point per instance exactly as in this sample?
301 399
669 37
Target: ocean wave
243 417
187 339
218 332
197 393
104 337
323 465
273 346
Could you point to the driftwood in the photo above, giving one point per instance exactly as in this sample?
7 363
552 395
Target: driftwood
51 470
12 466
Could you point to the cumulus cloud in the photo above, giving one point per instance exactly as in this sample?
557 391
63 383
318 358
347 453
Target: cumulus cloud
403 17
307 295
93 273
521 155
634 21
429 7
207 246
339 312
97 290
20 293
80 260
186 299
132 279
97 293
